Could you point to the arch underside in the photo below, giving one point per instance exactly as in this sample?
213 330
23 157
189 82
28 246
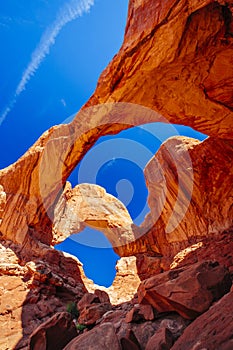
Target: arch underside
181 81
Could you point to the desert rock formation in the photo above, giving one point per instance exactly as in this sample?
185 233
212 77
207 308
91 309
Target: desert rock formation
175 65
90 205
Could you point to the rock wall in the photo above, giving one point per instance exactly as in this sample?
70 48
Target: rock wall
179 66
177 62
187 203
175 65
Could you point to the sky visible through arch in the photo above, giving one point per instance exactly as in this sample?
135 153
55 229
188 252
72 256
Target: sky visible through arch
53 52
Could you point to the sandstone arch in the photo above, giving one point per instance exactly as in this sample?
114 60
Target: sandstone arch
177 76
90 205
178 63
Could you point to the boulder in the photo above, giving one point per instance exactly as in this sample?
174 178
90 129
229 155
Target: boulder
161 340
141 332
92 313
93 306
129 341
190 291
55 333
212 330
140 313
101 337
86 300
102 295
128 344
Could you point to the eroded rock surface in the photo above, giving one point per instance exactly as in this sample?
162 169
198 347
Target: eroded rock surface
161 340
190 197
177 65
125 284
32 290
103 337
212 330
168 66
90 205
190 291
92 307
56 333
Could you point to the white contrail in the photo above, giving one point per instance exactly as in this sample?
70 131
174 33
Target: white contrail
70 11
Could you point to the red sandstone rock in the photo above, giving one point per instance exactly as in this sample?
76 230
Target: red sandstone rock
189 292
2 202
190 197
212 330
55 333
114 316
86 300
127 344
93 306
99 296
147 265
208 249
168 64
102 295
143 331
139 313
101 337
178 63
33 291
129 341
125 284
161 340
90 205
90 314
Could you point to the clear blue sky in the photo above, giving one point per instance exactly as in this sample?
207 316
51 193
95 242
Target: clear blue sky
53 52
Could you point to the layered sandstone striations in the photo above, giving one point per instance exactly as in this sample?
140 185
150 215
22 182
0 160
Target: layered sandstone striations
175 65
125 284
32 288
171 65
177 62
90 205
190 197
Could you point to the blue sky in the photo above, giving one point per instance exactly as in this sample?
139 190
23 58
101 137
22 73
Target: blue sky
66 75
53 52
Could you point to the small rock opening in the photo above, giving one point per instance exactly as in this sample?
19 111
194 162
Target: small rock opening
116 163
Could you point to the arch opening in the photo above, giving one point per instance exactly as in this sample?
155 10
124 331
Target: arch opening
116 163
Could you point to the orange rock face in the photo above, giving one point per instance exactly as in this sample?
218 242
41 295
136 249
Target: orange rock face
90 205
171 64
190 292
178 62
190 196
32 288
125 284
212 330
175 65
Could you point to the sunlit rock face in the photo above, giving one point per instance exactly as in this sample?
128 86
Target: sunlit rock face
34 284
178 62
125 284
190 196
90 205
175 63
